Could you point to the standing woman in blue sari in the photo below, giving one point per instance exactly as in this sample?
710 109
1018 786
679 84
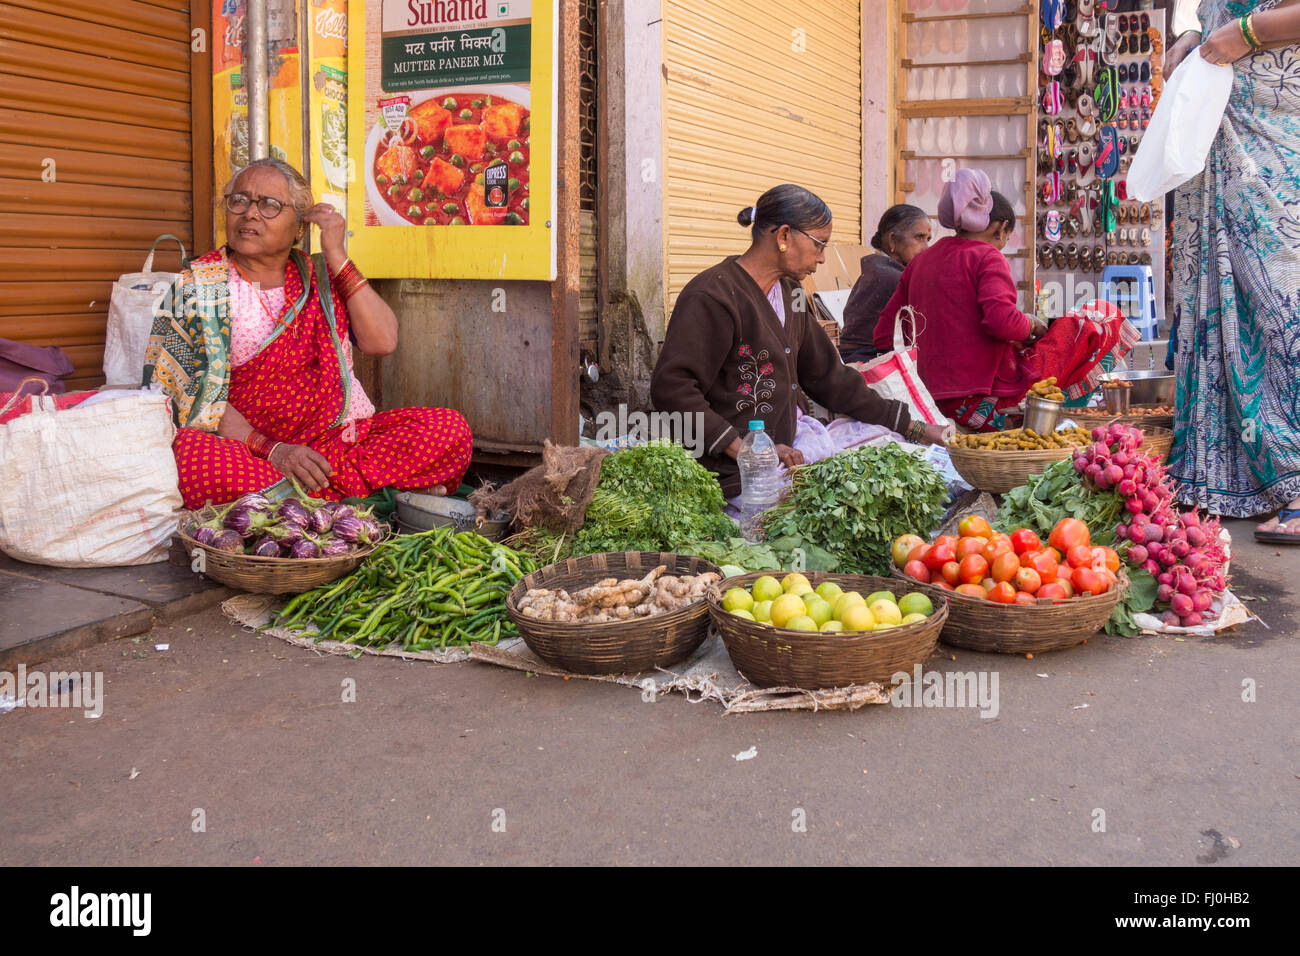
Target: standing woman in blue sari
1237 277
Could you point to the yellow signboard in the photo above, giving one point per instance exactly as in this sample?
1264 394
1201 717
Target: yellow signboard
327 91
451 138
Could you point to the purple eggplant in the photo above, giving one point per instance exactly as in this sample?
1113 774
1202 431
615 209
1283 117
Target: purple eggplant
245 522
291 511
205 535
334 547
266 547
304 549
348 527
227 541
321 521
371 532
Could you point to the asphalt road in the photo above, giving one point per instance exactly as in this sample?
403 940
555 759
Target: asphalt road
471 764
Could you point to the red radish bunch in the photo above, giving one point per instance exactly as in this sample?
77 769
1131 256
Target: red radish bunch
1182 551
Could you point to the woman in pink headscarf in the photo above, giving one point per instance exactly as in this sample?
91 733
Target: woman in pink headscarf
973 340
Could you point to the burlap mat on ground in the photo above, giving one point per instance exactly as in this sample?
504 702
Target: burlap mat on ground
708 674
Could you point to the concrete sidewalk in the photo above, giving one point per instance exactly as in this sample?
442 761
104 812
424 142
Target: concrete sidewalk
53 611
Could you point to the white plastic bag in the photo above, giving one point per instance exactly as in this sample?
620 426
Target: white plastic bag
1187 118
89 486
130 318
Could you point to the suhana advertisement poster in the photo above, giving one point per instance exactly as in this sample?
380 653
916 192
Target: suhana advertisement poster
451 132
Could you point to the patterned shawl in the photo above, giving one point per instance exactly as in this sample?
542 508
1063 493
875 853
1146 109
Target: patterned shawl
189 348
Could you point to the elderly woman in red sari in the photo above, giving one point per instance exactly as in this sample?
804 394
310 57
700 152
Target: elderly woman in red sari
255 351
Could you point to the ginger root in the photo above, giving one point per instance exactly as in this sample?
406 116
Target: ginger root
613 600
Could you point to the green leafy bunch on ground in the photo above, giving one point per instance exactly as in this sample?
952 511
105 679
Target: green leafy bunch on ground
654 497
856 503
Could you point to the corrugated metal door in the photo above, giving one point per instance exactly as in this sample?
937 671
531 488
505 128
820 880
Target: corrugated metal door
756 94
94 161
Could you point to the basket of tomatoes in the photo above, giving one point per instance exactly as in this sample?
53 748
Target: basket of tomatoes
1013 593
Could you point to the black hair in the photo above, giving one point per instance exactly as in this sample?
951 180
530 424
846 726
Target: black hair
785 205
1002 211
895 221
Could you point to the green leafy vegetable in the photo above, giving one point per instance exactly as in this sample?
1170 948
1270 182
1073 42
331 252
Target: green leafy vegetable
1141 598
1059 492
778 555
654 497
854 504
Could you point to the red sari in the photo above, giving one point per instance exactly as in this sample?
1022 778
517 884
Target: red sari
296 390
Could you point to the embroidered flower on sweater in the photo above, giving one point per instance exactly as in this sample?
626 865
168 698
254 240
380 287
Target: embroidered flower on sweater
756 381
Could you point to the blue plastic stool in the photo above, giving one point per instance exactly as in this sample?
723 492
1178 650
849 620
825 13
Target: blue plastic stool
1142 310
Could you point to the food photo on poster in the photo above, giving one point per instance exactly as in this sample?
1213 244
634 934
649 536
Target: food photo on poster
448 115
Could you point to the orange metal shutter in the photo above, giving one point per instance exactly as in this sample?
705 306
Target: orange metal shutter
95 161
758 93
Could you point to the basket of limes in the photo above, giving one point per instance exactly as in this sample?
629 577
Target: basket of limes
818 630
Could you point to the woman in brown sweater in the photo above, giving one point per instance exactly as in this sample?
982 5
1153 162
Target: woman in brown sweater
743 342
903 232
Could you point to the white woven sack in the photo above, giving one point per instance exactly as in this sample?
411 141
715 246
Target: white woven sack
89 486
130 319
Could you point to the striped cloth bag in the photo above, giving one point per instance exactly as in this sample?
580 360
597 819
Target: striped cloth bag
894 375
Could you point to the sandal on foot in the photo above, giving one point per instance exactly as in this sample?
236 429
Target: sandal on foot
1281 537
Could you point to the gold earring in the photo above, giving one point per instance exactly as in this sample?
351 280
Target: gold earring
782 248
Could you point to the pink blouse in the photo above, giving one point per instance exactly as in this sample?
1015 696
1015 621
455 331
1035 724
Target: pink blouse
251 326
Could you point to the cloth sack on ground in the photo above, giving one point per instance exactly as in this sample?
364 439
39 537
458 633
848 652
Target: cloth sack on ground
41 367
894 375
1186 120
89 486
131 307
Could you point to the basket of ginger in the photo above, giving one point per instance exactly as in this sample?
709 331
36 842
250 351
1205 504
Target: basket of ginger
614 613
999 461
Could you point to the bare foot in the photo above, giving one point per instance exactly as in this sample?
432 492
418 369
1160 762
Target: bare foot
1291 527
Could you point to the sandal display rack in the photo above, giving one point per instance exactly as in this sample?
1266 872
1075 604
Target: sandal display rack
1100 78
966 96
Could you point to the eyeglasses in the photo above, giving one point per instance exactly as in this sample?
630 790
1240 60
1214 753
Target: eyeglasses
821 243
268 206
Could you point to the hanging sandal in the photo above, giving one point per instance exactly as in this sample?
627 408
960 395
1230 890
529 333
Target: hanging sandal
1146 212
1072 256
1085 259
1045 256
1144 259
1098 259
1146 237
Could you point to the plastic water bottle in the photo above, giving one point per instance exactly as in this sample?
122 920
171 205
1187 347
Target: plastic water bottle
760 478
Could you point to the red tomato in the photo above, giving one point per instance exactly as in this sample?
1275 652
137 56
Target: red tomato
1027 579
1086 581
943 584
975 526
973 590
973 568
1024 597
918 570
939 555
1002 593
1067 533
987 584
1005 567
1044 562
918 553
1055 592
1108 559
1067 584
968 546
995 547
951 572
947 539
1023 540
1079 556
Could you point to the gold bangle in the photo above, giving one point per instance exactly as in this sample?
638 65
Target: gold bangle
1247 25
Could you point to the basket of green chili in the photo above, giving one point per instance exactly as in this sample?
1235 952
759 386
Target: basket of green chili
419 592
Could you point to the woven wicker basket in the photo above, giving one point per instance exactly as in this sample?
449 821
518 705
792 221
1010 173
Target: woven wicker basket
779 657
1000 471
1021 628
623 647
259 575
1091 418
1156 441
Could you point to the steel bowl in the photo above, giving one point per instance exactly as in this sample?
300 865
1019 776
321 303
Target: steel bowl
424 512
1041 414
1154 387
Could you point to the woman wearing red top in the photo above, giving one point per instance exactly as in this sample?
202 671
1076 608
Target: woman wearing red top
973 340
